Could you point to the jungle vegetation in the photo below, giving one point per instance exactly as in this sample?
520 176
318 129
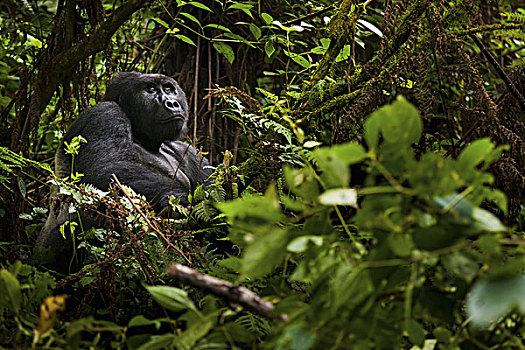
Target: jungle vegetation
369 186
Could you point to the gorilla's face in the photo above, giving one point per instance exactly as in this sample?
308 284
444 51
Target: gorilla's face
155 105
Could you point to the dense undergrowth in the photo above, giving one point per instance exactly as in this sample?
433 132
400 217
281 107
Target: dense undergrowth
369 177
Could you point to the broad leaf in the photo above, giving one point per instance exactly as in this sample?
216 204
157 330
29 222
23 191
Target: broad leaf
11 294
264 252
226 50
171 298
475 153
491 300
300 244
399 123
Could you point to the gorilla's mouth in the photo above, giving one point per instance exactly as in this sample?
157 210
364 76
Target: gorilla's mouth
172 118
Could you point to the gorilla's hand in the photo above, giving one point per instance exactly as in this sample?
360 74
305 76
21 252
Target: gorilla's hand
183 156
166 164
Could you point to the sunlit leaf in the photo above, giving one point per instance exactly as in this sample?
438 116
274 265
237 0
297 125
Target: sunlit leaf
243 7
191 17
490 300
267 18
300 244
370 27
161 22
256 31
199 5
339 196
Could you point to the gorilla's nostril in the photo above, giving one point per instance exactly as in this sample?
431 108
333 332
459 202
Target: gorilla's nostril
172 104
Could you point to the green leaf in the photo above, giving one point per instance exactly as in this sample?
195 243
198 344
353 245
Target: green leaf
22 187
35 42
268 48
256 31
250 212
302 182
199 5
296 338
171 298
489 244
233 263
185 39
401 244
267 18
191 17
350 153
243 7
399 123
160 342
461 265
25 216
491 300
339 196
161 22
416 333
344 54
265 251
195 331
140 320
300 60
461 209
226 50
351 287
300 244
486 221
217 26
475 153
172 31
238 38
10 292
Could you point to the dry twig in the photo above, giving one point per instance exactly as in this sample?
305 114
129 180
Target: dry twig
226 290
150 224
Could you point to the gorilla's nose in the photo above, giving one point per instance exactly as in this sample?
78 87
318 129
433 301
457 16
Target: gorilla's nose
172 105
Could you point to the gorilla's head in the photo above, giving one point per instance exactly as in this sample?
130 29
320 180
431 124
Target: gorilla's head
155 105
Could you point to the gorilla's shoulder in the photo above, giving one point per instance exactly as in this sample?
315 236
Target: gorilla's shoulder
101 121
104 109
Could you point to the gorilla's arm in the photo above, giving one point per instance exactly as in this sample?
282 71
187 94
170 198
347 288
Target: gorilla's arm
110 150
197 168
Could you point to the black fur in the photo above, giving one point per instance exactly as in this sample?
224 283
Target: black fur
135 134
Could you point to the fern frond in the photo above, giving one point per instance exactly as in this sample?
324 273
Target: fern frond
255 324
217 193
516 16
205 212
278 128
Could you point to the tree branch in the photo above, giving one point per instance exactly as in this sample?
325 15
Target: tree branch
512 88
489 27
226 290
57 68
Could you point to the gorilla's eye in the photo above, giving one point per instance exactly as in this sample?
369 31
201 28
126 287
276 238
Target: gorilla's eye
169 88
151 89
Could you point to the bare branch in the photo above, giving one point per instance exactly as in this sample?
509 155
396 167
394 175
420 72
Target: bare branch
150 224
226 290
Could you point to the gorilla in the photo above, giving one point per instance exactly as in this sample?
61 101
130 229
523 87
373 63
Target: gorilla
135 134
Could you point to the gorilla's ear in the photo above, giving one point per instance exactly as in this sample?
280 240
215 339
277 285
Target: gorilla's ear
118 84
